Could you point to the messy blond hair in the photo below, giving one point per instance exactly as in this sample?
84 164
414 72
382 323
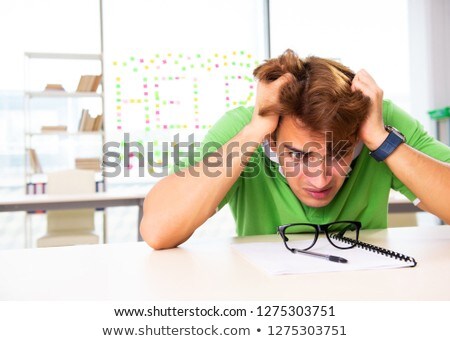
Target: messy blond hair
319 96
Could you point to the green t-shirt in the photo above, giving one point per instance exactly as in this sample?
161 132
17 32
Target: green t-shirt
261 199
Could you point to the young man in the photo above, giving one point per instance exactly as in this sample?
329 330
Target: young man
320 145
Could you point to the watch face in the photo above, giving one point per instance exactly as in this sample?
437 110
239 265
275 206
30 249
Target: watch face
395 131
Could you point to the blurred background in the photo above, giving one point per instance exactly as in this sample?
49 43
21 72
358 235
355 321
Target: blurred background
168 67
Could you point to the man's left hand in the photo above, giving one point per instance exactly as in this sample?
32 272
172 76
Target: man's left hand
371 131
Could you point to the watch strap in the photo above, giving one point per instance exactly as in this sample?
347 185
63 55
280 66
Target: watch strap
392 141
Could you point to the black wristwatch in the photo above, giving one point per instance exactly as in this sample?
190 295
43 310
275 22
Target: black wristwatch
394 139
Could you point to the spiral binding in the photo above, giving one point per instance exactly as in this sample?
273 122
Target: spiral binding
376 249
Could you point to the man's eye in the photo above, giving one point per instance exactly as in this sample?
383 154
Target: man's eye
298 156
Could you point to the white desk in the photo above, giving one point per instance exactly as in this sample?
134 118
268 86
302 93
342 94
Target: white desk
74 201
211 269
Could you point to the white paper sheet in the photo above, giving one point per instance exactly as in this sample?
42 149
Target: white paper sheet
275 259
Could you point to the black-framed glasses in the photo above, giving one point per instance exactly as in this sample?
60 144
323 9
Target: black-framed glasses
300 237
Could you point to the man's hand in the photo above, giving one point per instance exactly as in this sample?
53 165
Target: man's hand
267 97
371 132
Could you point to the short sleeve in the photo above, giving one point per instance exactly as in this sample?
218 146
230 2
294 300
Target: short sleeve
228 126
416 137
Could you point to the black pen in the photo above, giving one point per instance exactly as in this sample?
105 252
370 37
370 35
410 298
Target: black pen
331 258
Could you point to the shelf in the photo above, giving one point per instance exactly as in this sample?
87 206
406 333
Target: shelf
98 173
74 56
67 102
66 133
61 94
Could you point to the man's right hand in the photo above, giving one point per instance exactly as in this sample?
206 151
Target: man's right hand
267 97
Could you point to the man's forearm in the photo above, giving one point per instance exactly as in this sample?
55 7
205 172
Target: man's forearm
427 178
180 203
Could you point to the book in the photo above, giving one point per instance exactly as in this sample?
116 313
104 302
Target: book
90 123
54 87
34 161
98 124
89 83
50 129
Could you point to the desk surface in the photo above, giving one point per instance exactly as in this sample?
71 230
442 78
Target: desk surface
209 269
68 198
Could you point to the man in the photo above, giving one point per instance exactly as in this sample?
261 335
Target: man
320 145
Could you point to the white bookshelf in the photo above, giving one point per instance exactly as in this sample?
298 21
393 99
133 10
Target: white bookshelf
59 107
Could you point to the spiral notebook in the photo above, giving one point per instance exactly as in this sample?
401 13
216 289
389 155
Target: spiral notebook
275 259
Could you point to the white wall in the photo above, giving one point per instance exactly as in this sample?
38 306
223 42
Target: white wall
429 27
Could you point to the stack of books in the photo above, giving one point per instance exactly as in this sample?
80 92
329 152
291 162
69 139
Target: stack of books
89 83
52 129
90 163
89 123
54 87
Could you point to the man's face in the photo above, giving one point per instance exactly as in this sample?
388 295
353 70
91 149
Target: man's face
314 173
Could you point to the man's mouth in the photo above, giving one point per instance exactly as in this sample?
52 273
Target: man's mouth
318 193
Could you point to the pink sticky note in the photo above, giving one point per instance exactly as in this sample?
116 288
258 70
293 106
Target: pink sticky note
141 60
157 112
145 86
119 127
165 126
145 93
197 126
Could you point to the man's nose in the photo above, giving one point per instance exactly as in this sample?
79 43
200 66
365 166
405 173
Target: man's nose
317 174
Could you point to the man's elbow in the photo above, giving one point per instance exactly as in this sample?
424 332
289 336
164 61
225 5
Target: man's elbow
152 235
